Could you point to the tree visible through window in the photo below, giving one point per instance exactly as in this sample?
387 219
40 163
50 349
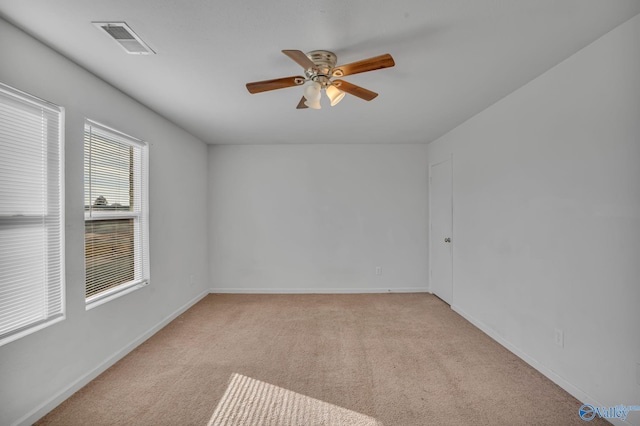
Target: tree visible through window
116 254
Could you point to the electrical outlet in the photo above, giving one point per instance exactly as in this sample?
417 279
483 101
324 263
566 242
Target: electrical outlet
378 270
558 338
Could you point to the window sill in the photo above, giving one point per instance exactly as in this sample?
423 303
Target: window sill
32 328
114 293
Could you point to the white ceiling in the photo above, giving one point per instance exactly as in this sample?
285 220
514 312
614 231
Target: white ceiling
453 58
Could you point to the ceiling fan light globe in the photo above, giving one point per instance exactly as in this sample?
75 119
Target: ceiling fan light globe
312 92
315 104
335 95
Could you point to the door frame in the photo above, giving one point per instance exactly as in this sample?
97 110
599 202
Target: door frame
431 165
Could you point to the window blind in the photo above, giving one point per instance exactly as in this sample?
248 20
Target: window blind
116 212
31 214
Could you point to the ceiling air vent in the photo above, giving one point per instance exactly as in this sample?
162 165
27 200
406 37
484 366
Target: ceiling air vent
125 37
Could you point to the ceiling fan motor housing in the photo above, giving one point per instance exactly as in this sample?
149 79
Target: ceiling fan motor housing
325 61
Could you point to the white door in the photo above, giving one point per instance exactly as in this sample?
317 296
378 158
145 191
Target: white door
440 246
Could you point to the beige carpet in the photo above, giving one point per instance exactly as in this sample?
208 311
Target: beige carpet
251 402
403 359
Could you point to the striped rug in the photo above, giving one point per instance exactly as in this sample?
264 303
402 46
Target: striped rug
248 401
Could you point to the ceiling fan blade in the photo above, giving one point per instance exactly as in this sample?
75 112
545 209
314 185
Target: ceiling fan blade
354 90
301 104
376 63
278 83
300 58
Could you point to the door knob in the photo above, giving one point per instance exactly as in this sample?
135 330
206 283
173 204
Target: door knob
447 240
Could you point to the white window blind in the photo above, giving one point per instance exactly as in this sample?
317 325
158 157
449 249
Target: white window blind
116 213
31 214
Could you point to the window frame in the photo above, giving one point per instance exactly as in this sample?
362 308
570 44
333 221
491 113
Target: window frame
52 224
140 215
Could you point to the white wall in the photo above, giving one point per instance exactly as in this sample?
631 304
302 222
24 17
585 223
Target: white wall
40 370
547 219
318 218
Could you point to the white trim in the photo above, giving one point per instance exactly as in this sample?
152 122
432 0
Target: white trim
63 209
113 293
37 413
31 328
577 393
34 100
120 136
317 290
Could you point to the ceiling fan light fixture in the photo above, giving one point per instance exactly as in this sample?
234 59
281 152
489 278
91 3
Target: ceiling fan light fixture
313 104
334 94
312 92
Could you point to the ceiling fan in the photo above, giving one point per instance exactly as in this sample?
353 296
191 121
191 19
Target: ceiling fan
321 70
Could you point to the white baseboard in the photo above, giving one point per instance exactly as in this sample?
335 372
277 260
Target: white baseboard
577 393
57 399
322 290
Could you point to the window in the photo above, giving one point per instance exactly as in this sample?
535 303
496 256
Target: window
31 214
115 212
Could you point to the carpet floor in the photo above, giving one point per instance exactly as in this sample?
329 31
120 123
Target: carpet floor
401 359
